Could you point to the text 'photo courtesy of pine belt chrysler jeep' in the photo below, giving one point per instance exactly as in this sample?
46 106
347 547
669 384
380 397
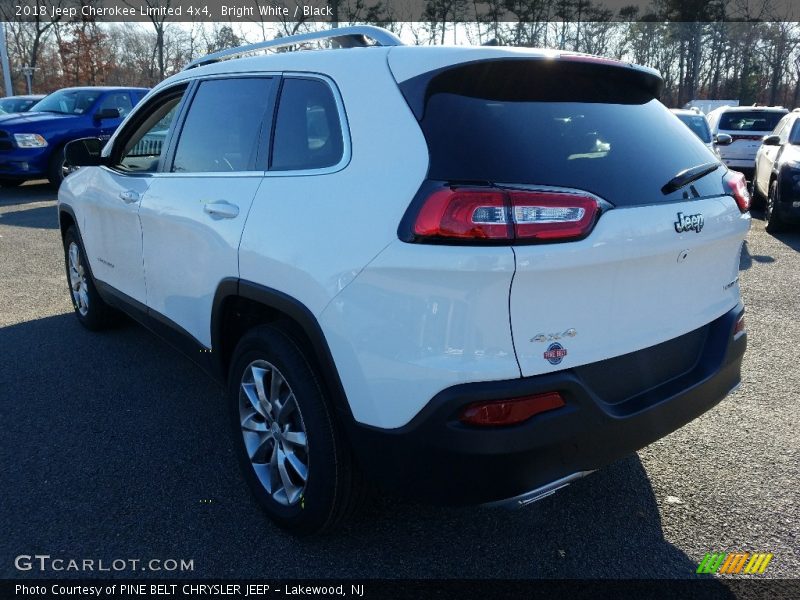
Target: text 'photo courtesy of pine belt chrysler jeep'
463 274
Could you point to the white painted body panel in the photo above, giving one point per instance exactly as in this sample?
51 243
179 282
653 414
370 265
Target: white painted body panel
187 251
309 236
633 283
417 320
109 227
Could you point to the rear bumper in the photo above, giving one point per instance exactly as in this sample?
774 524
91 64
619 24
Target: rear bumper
436 458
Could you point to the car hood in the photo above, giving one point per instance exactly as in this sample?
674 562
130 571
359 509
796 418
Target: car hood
32 118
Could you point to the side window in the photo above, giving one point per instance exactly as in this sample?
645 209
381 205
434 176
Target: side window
142 151
119 100
308 133
794 136
780 129
223 126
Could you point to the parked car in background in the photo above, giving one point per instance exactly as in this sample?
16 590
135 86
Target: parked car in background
696 121
776 182
746 125
32 143
706 106
17 104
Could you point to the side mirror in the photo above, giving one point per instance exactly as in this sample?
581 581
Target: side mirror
106 113
83 153
723 139
771 140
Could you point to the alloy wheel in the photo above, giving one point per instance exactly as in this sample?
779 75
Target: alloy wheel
77 280
274 432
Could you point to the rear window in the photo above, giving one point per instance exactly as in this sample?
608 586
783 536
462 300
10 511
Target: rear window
698 125
563 124
749 121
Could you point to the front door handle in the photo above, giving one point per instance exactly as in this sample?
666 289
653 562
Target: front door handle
221 209
129 196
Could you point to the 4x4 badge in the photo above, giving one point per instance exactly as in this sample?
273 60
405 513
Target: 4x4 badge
689 223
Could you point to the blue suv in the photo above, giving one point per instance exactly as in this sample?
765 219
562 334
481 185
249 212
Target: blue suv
32 143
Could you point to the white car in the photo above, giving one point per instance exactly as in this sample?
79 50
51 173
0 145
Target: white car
746 125
696 121
465 274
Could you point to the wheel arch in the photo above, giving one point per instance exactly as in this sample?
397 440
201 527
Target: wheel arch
66 219
240 305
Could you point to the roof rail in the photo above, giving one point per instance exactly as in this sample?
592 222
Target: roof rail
346 37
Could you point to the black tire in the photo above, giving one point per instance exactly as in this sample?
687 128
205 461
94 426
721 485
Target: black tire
772 219
11 183
333 484
759 201
55 172
96 314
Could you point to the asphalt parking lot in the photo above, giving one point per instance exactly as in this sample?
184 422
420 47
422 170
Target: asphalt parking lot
115 446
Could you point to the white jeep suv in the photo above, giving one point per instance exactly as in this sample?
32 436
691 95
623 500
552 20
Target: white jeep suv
465 274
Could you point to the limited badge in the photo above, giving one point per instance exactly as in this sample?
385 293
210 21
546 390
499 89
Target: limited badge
555 353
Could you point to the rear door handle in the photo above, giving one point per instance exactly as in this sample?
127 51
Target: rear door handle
129 196
221 209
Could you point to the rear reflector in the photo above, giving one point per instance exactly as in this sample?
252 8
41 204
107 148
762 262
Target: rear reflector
510 412
493 214
737 186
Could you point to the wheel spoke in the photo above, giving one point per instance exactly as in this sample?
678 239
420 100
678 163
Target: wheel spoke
258 378
275 386
254 421
286 409
84 297
259 445
289 487
296 438
74 257
298 465
251 394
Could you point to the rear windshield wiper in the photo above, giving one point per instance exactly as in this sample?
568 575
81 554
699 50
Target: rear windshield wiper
689 175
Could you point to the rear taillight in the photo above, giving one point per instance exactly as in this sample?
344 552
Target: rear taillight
514 215
510 412
737 186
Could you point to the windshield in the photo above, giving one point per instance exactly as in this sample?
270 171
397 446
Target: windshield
67 102
558 125
12 105
699 125
756 120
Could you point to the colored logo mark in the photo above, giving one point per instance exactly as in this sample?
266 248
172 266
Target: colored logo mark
555 353
733 563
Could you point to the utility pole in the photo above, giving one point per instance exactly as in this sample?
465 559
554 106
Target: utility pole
4 60
28 72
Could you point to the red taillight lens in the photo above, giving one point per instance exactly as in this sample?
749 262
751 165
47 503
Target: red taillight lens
469 214
738 187
510 412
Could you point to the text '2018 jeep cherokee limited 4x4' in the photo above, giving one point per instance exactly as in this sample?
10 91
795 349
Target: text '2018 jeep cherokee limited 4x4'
471 275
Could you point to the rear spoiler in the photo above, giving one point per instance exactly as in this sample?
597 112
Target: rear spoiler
620 82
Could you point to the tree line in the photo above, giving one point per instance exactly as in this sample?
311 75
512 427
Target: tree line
718 49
